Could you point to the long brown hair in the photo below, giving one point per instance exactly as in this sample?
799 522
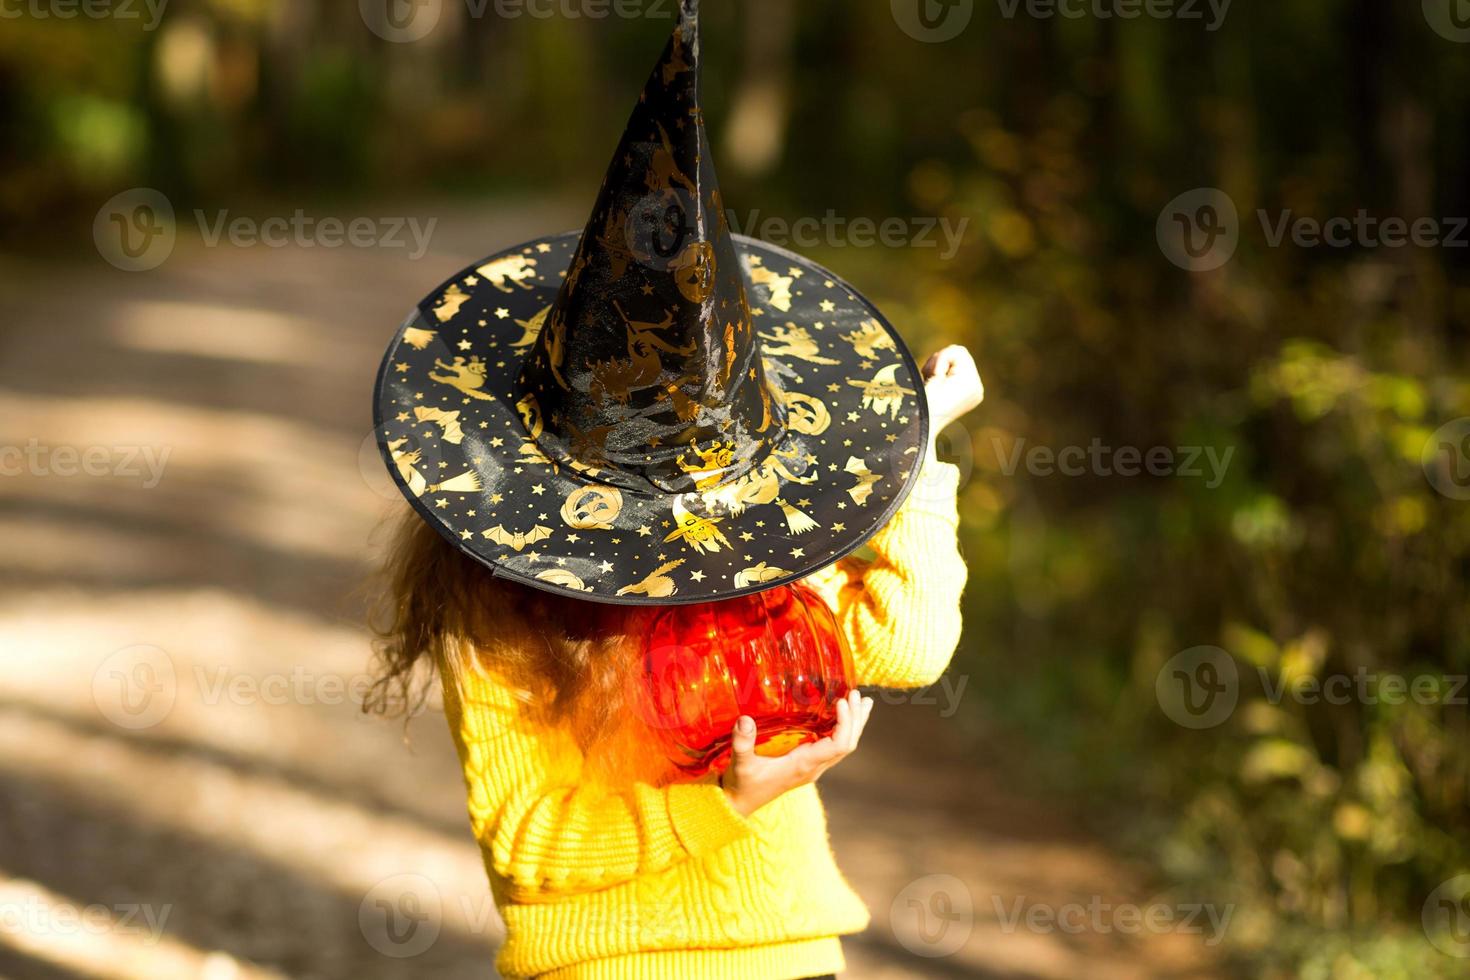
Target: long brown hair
571 657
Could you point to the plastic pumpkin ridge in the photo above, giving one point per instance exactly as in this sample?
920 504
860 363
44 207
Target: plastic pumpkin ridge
777 656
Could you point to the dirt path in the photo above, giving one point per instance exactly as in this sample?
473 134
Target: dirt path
186 789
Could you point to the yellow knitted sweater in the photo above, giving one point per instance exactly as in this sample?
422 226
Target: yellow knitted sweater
649 883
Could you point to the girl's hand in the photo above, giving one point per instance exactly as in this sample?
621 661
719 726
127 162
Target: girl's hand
952 385
752 781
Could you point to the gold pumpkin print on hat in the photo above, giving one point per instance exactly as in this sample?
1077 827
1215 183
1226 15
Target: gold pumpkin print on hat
653 410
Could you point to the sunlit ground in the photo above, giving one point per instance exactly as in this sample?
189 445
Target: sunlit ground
187 788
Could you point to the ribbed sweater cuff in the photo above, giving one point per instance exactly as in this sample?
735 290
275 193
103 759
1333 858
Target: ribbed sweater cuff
703 818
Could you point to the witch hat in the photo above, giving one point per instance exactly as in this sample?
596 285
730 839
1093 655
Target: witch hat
655 410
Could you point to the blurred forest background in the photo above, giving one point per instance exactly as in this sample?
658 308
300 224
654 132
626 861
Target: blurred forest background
1325 550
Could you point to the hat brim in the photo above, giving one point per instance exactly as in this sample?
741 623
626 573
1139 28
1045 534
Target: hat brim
462 452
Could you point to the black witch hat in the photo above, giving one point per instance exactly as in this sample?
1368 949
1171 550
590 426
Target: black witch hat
657 410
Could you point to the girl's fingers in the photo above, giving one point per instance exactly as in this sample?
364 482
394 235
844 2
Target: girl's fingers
855 709
817 756
864 713
742 739
845 718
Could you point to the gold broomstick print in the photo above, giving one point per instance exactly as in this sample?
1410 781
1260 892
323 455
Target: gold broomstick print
657 585
467 377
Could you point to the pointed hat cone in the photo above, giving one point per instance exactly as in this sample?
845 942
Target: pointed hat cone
648 370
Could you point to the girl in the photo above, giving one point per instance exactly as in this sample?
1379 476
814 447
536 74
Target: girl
656 412
599 865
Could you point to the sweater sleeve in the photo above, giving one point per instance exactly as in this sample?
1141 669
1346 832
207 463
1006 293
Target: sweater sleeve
546 833
900 611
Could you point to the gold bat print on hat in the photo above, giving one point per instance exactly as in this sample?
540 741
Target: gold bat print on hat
448 421
517 539
863 489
